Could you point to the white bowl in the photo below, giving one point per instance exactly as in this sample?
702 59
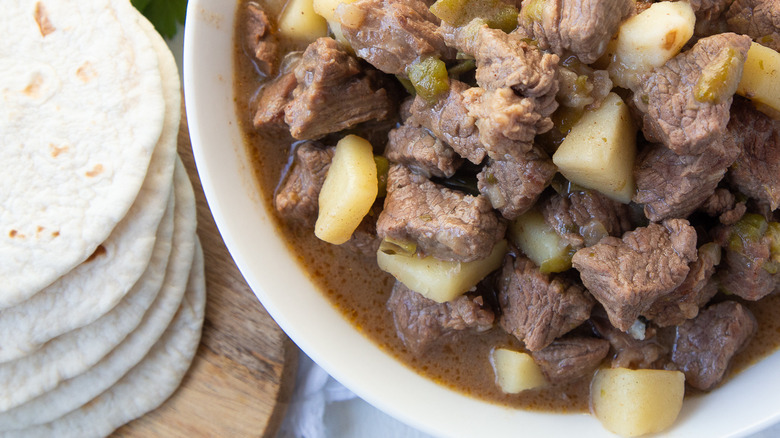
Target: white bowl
745 404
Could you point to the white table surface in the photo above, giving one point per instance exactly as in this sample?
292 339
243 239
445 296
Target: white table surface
355 418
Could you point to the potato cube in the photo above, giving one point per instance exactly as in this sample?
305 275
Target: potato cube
540 242
649 39
299 22
636 402
516 371
349 190
439 280
599 151
761 76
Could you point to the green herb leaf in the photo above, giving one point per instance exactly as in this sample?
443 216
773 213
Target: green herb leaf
164 14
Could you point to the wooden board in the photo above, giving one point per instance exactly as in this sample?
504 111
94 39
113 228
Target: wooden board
241 380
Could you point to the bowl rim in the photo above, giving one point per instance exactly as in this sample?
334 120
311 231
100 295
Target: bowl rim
298 308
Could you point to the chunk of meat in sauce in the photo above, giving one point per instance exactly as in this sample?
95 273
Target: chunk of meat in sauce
334 92
444 223
274 97
755 172
297 199
628 275
583 217
679 109
261 40
650 352
581 27
538 308
422 323
421 151
759 19
514 183
392 34
569 359
705 345
723 205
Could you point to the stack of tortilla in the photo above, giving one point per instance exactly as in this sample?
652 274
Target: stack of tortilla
102 294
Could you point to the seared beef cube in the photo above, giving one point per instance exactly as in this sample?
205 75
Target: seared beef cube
570 359
421 322
759 19
448 119
260 39
444 223
507 123
333 92
583 217
750 269
723 205
756 171
673 186
275 96
672 114
628 275
418 149
392 34
514 184
537 308
581 27
705 345
297 199
709 16
694 292
505 60
649 352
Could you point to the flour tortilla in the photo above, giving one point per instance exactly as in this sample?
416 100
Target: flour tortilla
81 110
147 385
74 352
93 288
73 393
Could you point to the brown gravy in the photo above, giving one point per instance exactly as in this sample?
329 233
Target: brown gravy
357 287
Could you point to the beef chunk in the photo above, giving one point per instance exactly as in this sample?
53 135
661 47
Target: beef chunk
649 352
261 40
671 185
583 217
297 198
709 16
628 275
506 61
392 34
694 292
448 119
671 113
418 149
759 19
333 92
755 173
274 97
723 205
514 183
507 123
582 27
571 358
537 308
445 224
705 345
421 322
364 240
749 269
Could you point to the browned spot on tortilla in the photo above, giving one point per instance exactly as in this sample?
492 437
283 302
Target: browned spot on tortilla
12 233
44 24
55 234
56 150
99 251
86 72
33 88
97 170
39 229
669 39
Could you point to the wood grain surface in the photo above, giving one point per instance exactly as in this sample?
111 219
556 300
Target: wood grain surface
241 380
